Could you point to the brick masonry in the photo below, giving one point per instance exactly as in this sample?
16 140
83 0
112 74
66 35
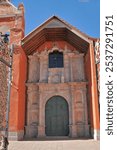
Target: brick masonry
3 94
8 23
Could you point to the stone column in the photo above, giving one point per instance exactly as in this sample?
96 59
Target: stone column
41 126
66 68
44 68
73 126
33 68
86 126
71 66
79 111
81 76
32 111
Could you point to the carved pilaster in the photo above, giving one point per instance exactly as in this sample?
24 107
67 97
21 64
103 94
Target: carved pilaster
73 127
85 112
44 68
33 69
71 66
81 75
41 127
32 110
66 68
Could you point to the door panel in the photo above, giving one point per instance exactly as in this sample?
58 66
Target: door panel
57 117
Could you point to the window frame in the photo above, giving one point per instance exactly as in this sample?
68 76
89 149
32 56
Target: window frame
56 59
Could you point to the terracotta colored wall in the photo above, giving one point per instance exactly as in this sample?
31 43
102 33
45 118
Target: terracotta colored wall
15 25
88 78
22 94
59 44
17 105
6 24
14 94
90 69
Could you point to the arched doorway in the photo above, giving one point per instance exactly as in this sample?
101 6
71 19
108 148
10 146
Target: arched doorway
57 117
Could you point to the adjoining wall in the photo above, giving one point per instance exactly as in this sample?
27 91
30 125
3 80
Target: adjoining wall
17 101
92 94
12 22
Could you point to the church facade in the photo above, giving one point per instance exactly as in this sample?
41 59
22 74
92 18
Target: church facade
54 84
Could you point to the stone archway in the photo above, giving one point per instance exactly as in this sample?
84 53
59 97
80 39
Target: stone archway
57 117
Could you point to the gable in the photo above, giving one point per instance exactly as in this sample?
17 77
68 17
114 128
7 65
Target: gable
54 24
55 29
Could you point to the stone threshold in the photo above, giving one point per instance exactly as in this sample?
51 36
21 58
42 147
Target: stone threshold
55 138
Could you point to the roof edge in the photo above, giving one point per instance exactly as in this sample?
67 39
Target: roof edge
64 22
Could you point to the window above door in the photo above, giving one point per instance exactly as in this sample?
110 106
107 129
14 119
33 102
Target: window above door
56 59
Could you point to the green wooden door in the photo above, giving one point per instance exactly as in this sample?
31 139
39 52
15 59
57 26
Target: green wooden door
57 117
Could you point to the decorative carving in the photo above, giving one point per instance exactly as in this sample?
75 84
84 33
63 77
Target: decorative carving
97 52
97 61
4 1
33 66
56 75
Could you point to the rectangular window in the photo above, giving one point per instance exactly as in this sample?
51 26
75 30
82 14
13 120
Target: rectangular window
56 60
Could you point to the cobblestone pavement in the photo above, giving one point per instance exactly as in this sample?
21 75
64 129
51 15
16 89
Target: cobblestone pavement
55 145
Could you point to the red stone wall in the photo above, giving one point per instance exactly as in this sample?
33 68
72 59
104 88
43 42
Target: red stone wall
60 44
88 78
14 24
17 106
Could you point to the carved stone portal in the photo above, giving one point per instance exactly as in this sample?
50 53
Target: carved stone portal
45 83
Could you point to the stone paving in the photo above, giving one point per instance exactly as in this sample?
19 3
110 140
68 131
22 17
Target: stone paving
55 145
